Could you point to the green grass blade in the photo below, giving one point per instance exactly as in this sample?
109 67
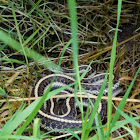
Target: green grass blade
99 130
119 124
122 103
10 137
84 126
131 132
73 134
30 53
93 113
10 60
40 37
2 92
6 129
2 47
18 32
129 118
133 125
36 128
112 61
74 31
117 138
65 47
19 118
33 34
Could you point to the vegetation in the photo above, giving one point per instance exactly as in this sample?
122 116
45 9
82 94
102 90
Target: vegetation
39 37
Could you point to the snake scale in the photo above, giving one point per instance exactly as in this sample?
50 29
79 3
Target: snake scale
51 119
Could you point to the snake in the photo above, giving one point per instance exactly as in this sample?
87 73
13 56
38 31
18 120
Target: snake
49 113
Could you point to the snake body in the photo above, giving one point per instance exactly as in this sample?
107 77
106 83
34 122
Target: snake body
49 112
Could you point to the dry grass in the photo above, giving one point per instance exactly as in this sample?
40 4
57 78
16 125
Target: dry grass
96 23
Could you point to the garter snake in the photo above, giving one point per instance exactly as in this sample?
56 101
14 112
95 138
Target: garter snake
51 119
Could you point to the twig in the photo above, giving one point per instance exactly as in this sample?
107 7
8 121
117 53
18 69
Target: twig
70 95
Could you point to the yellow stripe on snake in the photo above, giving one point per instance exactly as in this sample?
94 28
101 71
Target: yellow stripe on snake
51 118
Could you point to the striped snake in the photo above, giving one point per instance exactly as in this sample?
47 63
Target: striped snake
51 118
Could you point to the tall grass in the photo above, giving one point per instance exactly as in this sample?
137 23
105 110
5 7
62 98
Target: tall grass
112 61
87 128
24 116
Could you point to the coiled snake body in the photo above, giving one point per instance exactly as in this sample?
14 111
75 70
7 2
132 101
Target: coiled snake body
51 119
